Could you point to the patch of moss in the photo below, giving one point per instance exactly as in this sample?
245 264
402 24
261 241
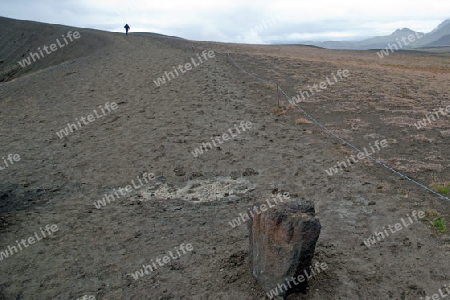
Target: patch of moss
439 225
443 189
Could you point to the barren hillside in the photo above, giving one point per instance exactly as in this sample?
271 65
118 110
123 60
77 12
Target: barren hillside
142 130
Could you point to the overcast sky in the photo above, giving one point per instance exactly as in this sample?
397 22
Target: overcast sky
245 21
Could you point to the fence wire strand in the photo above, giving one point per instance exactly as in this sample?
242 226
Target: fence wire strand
334 134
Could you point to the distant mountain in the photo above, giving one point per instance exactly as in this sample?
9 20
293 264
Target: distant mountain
442 42
443 24
401 38
442 30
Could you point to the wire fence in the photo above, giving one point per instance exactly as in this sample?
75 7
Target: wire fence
334 134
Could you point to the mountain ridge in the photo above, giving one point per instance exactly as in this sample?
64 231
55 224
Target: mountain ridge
400 37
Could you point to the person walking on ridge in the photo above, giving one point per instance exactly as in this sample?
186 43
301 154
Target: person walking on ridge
126 28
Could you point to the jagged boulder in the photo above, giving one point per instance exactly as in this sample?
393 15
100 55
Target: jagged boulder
283 238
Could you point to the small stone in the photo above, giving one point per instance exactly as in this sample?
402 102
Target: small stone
234 175
196 174
249 172
179 171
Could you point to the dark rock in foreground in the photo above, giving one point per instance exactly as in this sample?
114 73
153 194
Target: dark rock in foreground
283 238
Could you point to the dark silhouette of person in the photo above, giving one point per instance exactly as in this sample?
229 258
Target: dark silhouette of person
126 28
